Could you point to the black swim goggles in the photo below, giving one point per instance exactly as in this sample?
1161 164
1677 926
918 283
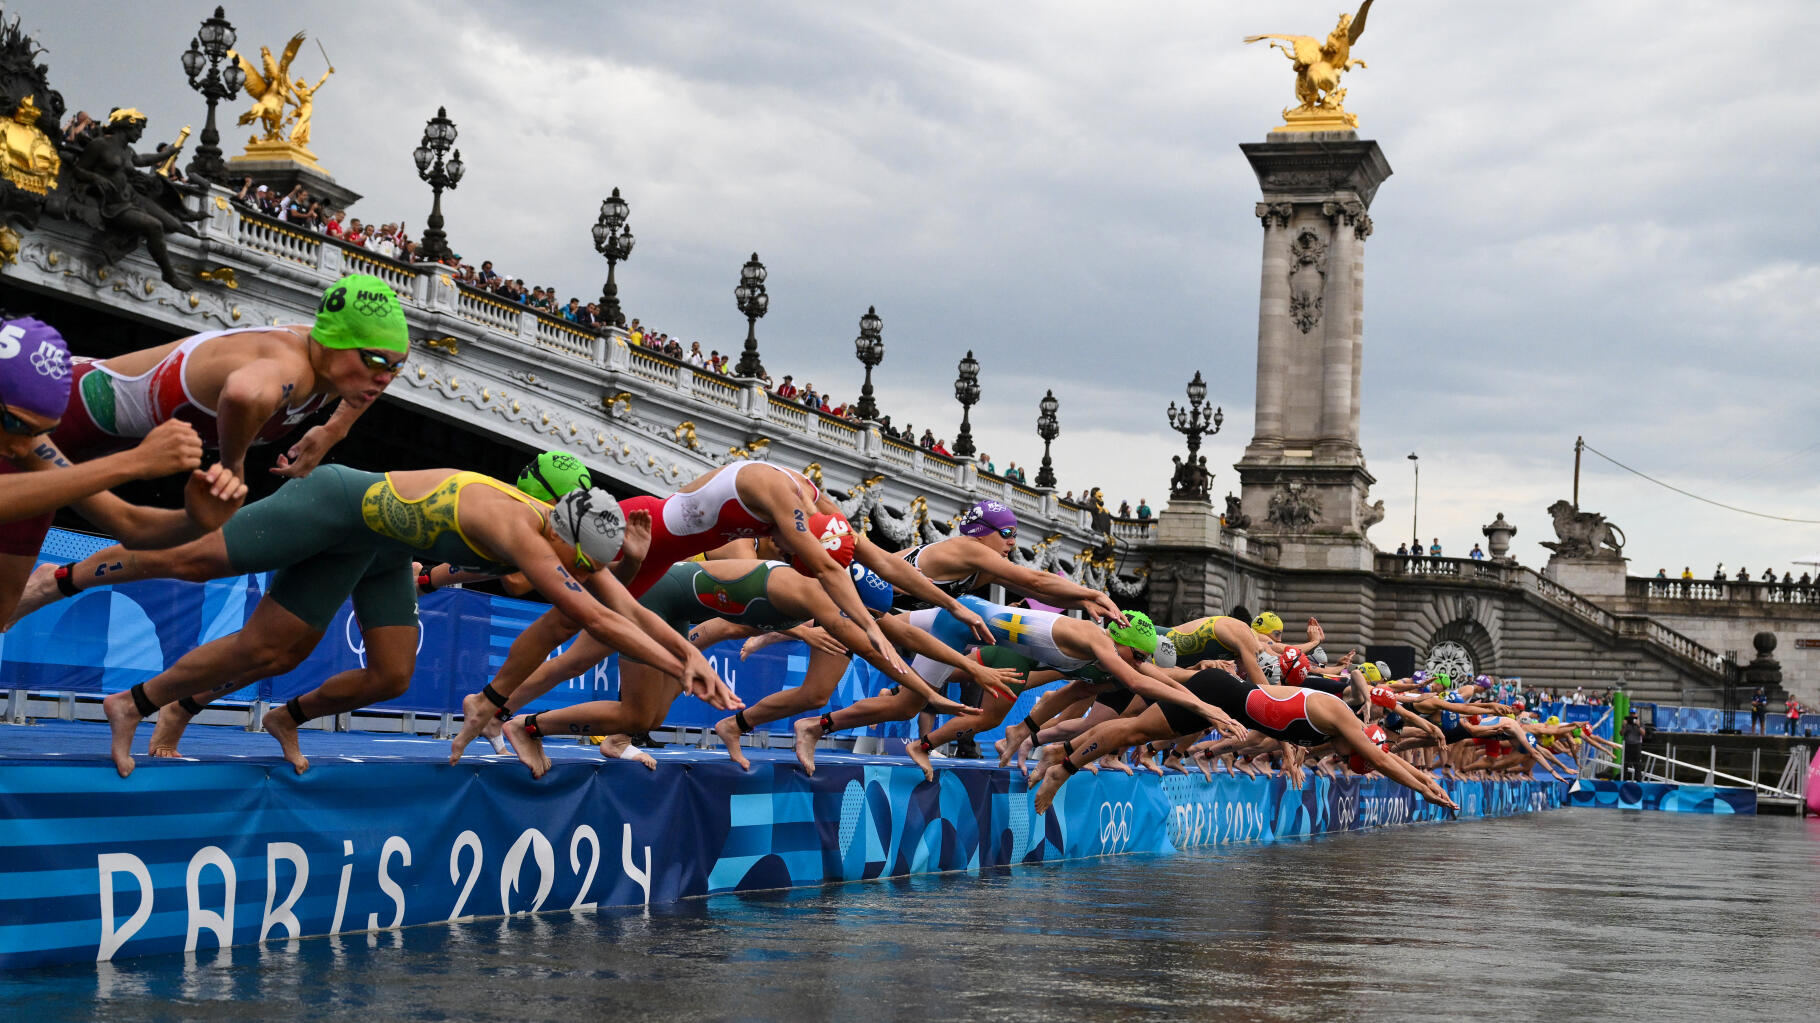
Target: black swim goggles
375 359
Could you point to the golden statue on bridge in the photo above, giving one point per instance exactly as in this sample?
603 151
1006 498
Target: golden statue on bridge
283 107
1318 66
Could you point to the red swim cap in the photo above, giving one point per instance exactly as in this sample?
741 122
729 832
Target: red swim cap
1295 666
1383 697
835 535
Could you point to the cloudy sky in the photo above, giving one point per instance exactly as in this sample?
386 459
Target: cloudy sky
1601 220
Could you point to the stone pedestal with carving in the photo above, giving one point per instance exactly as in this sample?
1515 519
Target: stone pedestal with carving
1589 577
1188 523
1303 475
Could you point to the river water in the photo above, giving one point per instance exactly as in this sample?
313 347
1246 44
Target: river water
1569 914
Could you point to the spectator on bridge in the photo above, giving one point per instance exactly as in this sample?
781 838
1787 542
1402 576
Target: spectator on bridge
1402 550
1743 574
1476 554
1759 711
1661 573
940 448
1719 573
1788 578
1416 550
928 439
486 275
787 389
79 129
695 357
1124 509
1769 575
1143 509
1806 579
1687 573
1794 716
673 347
1068 498
1434 551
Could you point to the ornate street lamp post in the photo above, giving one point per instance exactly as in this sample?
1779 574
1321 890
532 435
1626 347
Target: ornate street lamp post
206 52
1048 428
438 136
1191 477
615 244
752 300
1415 503
869 348
967 392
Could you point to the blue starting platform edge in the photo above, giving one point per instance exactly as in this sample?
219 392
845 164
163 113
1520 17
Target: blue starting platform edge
1651 795
229 846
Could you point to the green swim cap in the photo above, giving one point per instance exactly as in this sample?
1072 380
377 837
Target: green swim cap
361 311
1141 636
553 474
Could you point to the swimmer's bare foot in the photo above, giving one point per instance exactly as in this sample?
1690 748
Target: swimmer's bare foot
1046 757
123 720
495 733
808 733
1116 762
1206 768
1173 761
528 747
40 591
619 747
1052 784
728 730
477 712
1012 745
1147 761
172 719
1093 766
918 752
278 722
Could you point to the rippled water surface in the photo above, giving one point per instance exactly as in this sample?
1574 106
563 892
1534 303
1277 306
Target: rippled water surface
1571 914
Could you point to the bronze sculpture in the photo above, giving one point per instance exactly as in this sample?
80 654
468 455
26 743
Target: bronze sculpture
126 204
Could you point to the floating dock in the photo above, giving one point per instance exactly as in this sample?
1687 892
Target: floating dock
230 847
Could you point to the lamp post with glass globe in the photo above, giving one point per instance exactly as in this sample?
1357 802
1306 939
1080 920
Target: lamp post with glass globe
438 136
211 45
1049 428
1191 480
869 348
967 392
753 301
615 244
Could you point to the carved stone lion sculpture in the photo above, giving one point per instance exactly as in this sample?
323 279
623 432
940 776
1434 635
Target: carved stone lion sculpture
1583 534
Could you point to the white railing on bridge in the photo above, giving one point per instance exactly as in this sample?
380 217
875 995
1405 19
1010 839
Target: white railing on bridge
281 240
1736 591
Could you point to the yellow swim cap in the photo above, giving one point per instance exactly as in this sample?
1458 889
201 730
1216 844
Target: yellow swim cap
1267 623
1371 673
1554 719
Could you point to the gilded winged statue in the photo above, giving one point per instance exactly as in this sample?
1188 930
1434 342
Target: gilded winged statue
270 87
1319 64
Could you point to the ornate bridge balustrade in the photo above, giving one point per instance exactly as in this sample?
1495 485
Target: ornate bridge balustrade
1721 591
534 380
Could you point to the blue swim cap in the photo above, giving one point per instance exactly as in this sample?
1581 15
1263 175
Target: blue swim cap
874 591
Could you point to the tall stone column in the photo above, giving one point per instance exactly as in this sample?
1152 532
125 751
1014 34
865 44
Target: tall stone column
1303 477
1273 320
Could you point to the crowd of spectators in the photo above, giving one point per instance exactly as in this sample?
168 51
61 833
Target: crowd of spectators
1743 576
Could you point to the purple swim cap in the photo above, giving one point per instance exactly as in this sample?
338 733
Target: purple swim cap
987 517
34 368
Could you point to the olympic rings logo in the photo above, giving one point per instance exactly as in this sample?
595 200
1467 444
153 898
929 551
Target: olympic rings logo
1115 826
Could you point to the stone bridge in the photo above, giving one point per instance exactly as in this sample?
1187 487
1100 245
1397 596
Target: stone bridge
529 380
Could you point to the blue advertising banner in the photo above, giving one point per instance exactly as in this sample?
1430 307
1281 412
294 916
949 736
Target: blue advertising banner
1631 795
235 849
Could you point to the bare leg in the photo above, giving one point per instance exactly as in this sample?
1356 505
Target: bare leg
824 674
173 718
645 697
1051 704
197 561
391 658
525 668
263 648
